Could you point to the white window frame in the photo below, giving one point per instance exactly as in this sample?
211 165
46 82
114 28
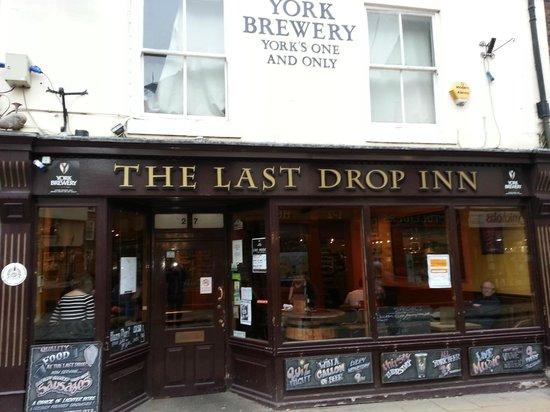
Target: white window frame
148 123
403 132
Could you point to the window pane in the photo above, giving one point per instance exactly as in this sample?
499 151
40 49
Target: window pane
206 85
249 279
384 38
163 24
419 97
65 262
496 278
408 302
129 286
321 274
205 26
385 96
417 40
163 80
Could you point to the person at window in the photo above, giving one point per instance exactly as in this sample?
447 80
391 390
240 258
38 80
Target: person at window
485 309
356 297
77 304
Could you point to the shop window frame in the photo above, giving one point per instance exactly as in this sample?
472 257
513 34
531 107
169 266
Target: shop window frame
100 206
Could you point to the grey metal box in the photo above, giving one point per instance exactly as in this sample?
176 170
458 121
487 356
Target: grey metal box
17 70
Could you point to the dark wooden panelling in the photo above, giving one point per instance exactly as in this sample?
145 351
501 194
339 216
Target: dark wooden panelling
204 364
253 372
543 241
125 384
174 365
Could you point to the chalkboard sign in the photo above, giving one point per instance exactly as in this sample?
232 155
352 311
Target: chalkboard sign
330 370
127 337
64 377
497 359
420 365
403 320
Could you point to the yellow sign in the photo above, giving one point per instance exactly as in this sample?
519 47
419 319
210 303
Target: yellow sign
460 93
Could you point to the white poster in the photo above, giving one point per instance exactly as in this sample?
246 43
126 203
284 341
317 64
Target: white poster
246 312
439 271
237 255
246 293
259 255
206 286
128 272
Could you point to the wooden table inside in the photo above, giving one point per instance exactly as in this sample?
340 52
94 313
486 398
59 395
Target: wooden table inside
316 324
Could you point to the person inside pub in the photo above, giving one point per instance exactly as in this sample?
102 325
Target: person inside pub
485 309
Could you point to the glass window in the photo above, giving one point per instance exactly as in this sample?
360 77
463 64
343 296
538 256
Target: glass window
411 270
321 274
495 260
402 64
249 275
129 279
176 80
65 265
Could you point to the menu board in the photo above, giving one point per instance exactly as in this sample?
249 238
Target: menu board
420 365
403 320
126 337
497 359
330 370
64 377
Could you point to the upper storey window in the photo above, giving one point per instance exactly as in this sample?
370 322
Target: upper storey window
402 67
184 65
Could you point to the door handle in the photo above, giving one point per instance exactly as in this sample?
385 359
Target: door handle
221 322
220 296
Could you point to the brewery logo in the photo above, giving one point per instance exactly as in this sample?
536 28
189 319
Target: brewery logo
63 177
512 186
14 274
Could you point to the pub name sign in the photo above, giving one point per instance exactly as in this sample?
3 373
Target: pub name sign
277 177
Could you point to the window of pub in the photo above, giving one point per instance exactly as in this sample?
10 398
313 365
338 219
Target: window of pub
321 274
495 260
249 275
129 280
65 274
411 264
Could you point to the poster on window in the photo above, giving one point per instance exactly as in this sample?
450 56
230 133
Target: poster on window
236 253
439 271
246 312
64 377
259 255
128 275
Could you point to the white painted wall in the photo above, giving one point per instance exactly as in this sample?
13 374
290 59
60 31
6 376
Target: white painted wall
94 45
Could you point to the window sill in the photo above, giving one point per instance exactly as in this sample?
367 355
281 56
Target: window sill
189 126
408 133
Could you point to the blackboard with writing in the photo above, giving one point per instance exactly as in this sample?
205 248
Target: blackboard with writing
403 320
420 365
330 370
127 337
64 377
497 359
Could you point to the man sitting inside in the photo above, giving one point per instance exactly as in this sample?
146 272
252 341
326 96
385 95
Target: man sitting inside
485 309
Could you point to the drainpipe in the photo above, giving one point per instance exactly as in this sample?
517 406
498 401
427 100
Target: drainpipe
543 109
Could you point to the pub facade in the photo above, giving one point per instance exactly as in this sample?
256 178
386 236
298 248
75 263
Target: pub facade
302 202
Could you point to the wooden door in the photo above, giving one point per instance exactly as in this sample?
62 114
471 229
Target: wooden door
188 322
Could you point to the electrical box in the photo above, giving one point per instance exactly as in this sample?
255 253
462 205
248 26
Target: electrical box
17 70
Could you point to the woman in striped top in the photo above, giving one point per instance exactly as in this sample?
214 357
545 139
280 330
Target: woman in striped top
76 304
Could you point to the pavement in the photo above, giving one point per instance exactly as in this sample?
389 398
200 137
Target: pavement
532 400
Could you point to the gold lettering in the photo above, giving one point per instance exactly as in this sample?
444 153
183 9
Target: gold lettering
470 180
323 174
423 180
371 185
127 172
246 175
219 179
447 181
167 176
187 177
396 177
353 178
269 174
290 175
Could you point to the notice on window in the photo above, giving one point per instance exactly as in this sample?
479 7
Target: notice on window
246 293
246 312
259 255
128 271
439 271
206 286
237 253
